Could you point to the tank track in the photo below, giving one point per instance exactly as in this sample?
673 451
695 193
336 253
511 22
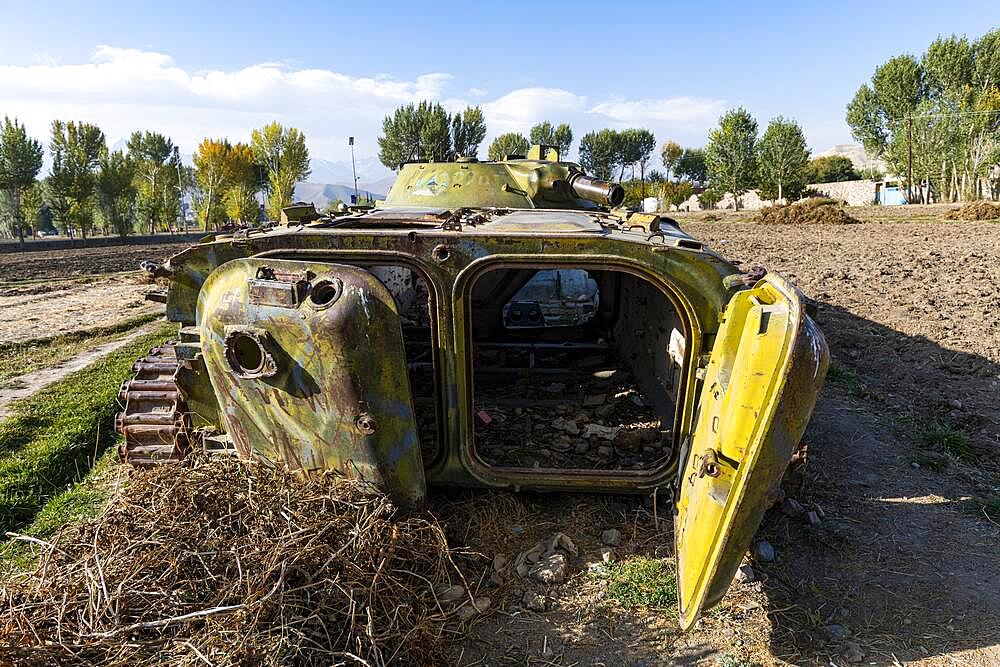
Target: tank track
154 424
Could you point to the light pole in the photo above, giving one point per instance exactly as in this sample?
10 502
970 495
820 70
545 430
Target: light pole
354 171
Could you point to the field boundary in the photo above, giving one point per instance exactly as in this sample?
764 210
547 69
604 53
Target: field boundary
98 242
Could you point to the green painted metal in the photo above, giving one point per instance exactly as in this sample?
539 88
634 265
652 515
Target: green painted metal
689 274
316 381
512 183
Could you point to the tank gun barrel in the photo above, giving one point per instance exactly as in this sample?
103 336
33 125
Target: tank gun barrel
596 190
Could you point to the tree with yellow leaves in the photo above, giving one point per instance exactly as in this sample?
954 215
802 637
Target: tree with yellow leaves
240 200
211 167
283 154
225 174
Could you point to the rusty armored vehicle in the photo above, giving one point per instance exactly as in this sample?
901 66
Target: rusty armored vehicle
492 324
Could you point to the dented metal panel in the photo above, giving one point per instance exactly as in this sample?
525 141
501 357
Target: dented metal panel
318 385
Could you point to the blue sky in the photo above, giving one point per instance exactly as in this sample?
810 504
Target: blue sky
196 69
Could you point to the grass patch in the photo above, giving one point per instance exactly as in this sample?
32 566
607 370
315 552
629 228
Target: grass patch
18 358
847 378
944 437
84 500
983 506
70 423
641 582
936 461
727 660
838 373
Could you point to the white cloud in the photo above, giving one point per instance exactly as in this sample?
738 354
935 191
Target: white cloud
127 89
683 111
518 110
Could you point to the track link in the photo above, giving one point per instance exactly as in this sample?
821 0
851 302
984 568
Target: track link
155 423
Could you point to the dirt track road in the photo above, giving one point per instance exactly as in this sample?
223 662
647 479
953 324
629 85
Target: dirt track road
44 310
898 568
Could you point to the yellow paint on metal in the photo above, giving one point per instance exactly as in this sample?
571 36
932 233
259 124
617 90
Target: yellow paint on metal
759 389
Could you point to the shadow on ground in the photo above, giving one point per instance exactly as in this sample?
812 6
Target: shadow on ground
899 565
897 569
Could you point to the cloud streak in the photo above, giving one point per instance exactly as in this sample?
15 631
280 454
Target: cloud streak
127 89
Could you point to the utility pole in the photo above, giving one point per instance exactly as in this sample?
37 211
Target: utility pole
354 171
909 159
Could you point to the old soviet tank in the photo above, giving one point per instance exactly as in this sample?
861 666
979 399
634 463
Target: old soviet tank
419 343
538 180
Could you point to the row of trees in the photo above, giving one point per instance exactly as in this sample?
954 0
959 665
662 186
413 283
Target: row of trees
144 185
544 133
89 185
229 176
944 107
425 131
735 159
775 163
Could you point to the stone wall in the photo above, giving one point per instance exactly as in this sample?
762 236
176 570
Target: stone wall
749 201
855 193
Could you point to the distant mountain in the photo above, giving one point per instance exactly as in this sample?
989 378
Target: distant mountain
381 186
322 194
857 155
369 170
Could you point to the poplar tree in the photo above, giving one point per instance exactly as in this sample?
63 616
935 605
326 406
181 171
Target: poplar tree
20 162
731 154
283 153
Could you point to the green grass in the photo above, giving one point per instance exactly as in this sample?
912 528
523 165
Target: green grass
54 436
641 582
18 358
85 499
944 437
838 373
936 461
847 378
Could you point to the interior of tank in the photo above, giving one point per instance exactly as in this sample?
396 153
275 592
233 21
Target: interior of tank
574 369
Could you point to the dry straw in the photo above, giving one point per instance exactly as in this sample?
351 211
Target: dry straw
221 562
811 211
978 210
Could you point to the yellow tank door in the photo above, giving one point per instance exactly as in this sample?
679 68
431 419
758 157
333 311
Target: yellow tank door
759 389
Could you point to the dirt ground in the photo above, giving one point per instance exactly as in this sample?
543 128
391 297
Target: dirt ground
44 294
898 570
43 310
20 266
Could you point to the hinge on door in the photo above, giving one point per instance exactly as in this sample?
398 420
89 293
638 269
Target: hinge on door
709 464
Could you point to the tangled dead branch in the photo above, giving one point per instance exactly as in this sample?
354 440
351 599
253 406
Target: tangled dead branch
221 562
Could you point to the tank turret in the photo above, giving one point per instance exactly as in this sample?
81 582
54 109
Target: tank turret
538 180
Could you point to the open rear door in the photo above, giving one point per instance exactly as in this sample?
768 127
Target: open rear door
758 392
